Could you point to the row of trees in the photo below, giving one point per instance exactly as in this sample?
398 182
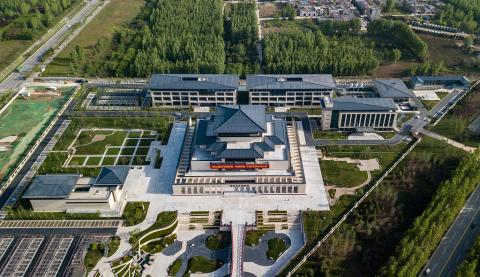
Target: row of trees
463 14
313 52
419 242
340 27
182 36
397 34
26 19
241 37
470 267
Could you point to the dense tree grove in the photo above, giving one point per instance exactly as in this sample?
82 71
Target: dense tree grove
422 238
340 27
25 19
463 14
180 36
241 37
397 34
312 52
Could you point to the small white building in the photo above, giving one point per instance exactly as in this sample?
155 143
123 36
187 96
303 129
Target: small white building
73 193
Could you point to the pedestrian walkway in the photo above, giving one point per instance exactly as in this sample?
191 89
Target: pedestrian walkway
4 224
238 235
447 140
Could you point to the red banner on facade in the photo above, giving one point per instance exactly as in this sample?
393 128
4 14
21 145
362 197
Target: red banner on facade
238 166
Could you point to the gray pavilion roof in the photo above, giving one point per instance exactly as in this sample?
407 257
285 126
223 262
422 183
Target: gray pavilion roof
55 186
290 81
254 122
193 82
392 88
346 103
112 176
238 119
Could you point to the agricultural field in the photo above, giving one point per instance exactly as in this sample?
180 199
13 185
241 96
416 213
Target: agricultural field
95 39
23 121
363 243
90 143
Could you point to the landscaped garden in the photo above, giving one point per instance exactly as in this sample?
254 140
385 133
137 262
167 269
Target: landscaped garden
342 174
94 253
90 143
135 212
113 245
219 240
371 228
253 237
200 264
164 219
174 268
276 247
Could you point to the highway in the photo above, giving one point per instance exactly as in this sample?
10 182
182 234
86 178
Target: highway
15 80
458 240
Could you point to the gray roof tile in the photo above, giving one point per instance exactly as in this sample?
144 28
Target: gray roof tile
290 81
363 104
112 176
55 186
193 82
392 88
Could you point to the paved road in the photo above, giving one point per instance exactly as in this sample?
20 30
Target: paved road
16 80
458 240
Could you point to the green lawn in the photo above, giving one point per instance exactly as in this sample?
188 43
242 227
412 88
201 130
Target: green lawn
128 151
342 174
164 219
200 264
93 161
113 151
329 135
384 153
131 142
142 151
135 212
108 161
276 247
252 237
146 142
429 104
158 245
77 161
124 160
174 268
113 245
99 147
218 241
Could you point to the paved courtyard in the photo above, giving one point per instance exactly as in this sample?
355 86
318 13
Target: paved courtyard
155 186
